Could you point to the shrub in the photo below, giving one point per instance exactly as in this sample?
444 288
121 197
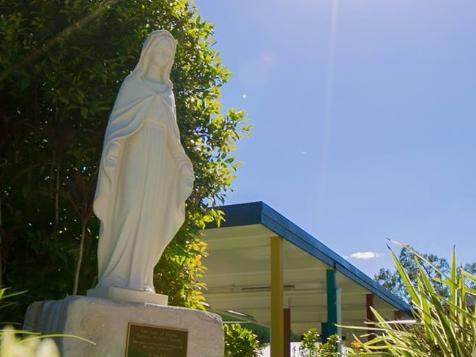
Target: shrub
240 342
310 347
309 342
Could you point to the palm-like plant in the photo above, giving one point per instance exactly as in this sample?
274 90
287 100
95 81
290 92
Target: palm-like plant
442 326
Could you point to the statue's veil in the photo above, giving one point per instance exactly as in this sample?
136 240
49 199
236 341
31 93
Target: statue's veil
152 40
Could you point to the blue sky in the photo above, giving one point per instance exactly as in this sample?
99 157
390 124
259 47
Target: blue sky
364 115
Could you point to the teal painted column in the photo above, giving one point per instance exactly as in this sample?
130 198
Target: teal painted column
329 328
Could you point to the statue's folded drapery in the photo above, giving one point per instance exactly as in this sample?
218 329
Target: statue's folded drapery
144 179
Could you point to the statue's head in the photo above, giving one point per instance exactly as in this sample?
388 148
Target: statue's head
158 53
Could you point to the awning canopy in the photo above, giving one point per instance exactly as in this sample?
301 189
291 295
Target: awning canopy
238 273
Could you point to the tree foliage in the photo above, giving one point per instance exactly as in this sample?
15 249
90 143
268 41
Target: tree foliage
61 65
391 279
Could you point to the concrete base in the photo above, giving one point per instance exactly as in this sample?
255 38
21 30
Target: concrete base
106 322
128 295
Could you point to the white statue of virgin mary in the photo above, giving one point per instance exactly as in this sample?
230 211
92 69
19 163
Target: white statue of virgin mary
144 176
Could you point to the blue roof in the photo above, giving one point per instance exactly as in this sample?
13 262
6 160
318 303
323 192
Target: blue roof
260 213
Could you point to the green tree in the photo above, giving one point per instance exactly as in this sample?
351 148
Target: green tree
61 65
391 279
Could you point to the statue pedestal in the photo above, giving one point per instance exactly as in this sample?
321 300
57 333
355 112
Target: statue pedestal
127 329
128 295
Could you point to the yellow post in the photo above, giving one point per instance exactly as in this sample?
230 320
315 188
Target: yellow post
277 318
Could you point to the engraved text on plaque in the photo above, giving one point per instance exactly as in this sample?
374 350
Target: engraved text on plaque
153 341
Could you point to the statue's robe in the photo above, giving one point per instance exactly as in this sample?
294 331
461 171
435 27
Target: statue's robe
144 179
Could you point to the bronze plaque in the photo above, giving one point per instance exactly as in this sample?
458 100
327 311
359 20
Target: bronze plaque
153 341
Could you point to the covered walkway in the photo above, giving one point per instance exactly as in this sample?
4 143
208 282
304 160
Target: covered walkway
264 268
